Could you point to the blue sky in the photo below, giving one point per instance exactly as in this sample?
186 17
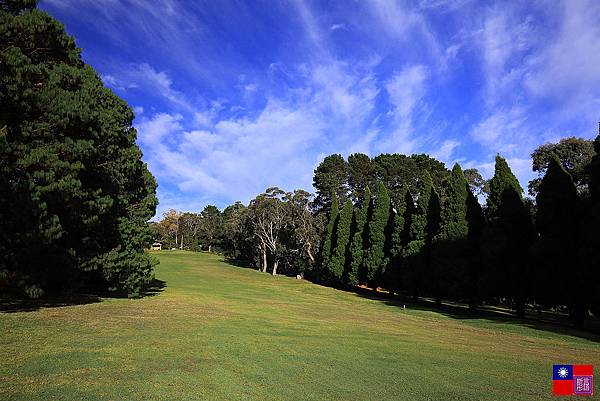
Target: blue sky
232 97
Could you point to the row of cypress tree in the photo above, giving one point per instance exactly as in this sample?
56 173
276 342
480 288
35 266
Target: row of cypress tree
513 252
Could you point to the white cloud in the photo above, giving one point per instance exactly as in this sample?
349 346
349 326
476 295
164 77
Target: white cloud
505 38
406 24
446 150
335 27
346 93
406 90
162 82
567 71
504 130
238 158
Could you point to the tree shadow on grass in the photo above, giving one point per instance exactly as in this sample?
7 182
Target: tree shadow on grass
547 321
11 304
239 263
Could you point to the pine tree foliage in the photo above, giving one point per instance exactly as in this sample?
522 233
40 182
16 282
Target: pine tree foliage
556 221
502 180
414 253
375 253
359 239
76 195
337 262
397 234
476 225
331 179
590 254
507 239
329 236
449 243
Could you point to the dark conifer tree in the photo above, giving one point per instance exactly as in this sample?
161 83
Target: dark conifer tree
337 262
507 239
413 254
476 226
359 239
449 244
503 179
375 252
75 194
397 237
590 254
329 239
557 224
361 174
331 178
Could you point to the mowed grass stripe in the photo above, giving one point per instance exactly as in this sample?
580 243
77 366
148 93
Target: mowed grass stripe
219 332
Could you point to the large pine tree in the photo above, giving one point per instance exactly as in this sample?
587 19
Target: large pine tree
507 239
449 244
423 227
503 179
590 255
476 226
337 262
375 252
359 239
557 223
397 237
75 193
329 238
331 179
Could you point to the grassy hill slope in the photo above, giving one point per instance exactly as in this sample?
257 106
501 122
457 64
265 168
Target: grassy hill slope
218 332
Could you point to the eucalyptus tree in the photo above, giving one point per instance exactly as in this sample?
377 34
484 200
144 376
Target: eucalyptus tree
268 217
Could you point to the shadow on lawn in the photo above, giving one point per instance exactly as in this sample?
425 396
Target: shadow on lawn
239 263
13 304
549 322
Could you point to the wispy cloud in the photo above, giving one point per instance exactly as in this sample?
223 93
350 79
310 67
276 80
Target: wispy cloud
232 97
405 90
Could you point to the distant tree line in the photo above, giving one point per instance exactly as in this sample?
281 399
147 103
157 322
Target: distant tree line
75 195
408 225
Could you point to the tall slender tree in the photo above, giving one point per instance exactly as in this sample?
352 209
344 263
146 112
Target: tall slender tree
414 254
329 238
557 224
375 253
507 239
397 237
476 225
359 239
449 243
590 254
502 180
337 262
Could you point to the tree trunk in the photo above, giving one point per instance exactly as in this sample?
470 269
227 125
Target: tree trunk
520 308
308 251
275 267
181 245
209 247
264 260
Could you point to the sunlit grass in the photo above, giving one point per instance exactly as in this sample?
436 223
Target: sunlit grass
219 332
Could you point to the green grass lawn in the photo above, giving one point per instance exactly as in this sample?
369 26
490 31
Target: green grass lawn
219 332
